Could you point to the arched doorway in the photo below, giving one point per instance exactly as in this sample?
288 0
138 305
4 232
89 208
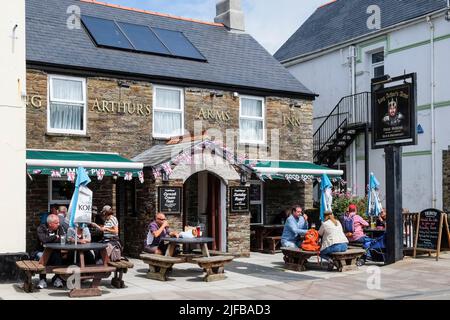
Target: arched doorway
204 201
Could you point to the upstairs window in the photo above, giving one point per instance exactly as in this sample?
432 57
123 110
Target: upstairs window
251 120
67 105
378 64
168 112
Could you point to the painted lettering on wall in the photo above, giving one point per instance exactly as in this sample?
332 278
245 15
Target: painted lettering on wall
34 101
291 121
121 107
214 115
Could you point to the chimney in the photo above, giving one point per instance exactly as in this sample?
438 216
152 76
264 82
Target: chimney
229 12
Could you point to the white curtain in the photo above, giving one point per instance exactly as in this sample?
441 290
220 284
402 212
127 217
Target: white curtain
251 129
67 105
168 123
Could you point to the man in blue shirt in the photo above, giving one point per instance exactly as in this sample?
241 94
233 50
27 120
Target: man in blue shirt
294 228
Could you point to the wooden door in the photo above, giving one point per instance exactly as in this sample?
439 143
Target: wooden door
214 212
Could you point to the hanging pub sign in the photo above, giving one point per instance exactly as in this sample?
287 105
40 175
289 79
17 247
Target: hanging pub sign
169 199
394 120
240 199
432 232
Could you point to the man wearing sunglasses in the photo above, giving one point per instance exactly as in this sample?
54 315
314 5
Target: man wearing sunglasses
158 228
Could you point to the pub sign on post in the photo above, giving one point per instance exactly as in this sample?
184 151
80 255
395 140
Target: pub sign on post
394 120
169 199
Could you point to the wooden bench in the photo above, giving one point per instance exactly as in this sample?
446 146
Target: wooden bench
213 253
96 273
159 265
30 268
214 267
272 244
122 267
346 261
295 258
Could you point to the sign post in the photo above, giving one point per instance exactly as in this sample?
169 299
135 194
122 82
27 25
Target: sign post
394 124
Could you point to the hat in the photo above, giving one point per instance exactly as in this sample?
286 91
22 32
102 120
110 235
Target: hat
352 208
106 208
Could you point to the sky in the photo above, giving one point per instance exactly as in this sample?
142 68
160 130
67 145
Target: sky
270 22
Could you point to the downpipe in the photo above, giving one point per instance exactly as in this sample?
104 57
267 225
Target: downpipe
352 50
433 124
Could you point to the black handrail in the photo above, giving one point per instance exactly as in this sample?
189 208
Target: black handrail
342 112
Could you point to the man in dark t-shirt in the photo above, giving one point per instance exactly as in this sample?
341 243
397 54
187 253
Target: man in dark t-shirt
158 228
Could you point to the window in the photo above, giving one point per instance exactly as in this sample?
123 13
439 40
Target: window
378 64
251 120
67 105
256 202
168 112
60 191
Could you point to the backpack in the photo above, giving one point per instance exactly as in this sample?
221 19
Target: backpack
311 242
348 225
114 250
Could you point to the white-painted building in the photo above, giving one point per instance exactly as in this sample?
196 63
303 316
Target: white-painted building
414 36
12 127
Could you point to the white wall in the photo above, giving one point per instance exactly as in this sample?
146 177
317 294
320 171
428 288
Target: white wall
329 77
12 127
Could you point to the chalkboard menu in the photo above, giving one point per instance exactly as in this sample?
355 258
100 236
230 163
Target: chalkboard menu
169 199
432 225
240 199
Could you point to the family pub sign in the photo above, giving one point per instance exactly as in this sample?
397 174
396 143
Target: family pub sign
394 116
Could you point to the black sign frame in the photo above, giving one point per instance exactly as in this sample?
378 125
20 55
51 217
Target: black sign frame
179 202
442 230
236 208
403 125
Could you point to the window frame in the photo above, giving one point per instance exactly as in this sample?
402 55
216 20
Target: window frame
259 202
377 64
52 99
263 118
50 193
155 108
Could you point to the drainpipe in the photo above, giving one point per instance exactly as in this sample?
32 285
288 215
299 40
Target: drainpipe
433 126
352 50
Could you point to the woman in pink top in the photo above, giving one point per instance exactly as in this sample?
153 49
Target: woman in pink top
358 225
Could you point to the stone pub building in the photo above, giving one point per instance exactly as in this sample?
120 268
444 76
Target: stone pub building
163 111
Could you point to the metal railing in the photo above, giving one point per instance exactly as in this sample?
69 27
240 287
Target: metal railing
353 109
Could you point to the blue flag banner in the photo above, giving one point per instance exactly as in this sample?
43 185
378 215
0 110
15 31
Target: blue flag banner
80 208
374 206
326 198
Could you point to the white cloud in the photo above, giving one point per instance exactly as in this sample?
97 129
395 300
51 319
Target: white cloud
270 22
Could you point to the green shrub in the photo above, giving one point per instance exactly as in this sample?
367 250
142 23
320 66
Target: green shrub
342 200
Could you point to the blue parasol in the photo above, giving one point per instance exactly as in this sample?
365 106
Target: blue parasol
374 206
82 180
326 198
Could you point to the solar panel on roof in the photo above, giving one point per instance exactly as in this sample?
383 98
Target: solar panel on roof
143 38
106 33
178 44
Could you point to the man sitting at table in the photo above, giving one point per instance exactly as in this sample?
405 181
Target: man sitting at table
158 228
381 220
50 233
295 227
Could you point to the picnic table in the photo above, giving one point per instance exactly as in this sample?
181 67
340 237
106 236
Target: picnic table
96 273
266 232
212 265
374 232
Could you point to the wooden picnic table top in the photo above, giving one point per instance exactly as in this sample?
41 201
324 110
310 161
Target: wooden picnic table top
199 240
78 247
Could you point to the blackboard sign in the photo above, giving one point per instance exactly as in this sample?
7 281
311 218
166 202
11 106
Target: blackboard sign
169 199
432 225
240 199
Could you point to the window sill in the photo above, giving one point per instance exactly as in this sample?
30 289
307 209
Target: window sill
71 135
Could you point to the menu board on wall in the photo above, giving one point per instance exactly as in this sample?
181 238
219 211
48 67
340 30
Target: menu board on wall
432 225
240 199
169 199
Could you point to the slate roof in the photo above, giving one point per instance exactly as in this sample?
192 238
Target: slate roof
344 20
233 59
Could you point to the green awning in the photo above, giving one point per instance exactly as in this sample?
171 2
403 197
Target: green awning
60 163
290 170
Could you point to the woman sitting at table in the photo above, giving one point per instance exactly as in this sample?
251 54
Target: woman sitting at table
82 236
158 228
333 237
381 220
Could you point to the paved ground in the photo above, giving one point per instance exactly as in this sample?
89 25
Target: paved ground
262 277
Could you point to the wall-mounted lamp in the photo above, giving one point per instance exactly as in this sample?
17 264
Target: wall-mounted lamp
216 94
123 84
165 176
243 178
235 94
296 105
